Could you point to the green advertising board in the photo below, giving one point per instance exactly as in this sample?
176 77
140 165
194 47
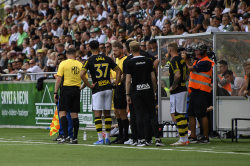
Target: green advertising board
21 104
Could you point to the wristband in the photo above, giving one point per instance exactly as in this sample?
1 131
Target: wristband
55 93
127 94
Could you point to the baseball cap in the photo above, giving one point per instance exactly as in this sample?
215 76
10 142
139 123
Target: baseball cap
97 29
246 15
35 37
132 15
26 4
207 12
9 16
103 18
152 41
136 4
40 51
121 30
39 28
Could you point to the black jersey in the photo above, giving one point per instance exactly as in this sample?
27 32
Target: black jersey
140 68
178 64
99 67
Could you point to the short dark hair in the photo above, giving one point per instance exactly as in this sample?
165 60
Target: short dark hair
229 72
198 10
206 22
117 44
94 44
71 51
127 44
223 62
61 54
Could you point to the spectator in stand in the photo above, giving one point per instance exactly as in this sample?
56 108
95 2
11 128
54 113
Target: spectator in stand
236 82
108 49
131 26
196 21
15 47
208 28
154 48
57 31
21 35
38 43
160 17
109 35
146 30
143 45
34 69
226 22
42 58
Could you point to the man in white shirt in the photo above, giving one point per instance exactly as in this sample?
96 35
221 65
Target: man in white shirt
57 31
14 35
99 36
81 15
86 37
159 15
101 13
206 25
34 69
236 82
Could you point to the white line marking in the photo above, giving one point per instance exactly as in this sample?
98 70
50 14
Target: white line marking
125 147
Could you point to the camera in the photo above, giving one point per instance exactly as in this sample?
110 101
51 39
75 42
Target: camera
190 53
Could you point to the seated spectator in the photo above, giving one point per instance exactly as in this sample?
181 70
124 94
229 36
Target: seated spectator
4 38
143 45
160 17
21 35
34 69
51 59
226 22
236 82
154 49
19 70
208 28
42 58
196 21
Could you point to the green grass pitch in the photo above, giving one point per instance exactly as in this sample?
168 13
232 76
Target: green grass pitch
34 147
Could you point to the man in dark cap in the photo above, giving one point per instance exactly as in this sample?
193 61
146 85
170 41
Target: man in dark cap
154 48
131 26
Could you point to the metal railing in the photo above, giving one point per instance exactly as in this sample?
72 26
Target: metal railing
13 75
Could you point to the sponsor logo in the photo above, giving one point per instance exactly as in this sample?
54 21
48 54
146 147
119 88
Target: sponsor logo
140 63
45 111
15 97
142 86
103 82
75 70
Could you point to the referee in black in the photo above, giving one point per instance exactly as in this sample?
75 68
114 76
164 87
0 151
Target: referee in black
141 71
69 70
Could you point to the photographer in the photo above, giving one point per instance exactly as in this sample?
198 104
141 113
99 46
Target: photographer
199 87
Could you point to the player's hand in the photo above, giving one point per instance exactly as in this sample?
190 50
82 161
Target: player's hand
81 87
128 99
92 85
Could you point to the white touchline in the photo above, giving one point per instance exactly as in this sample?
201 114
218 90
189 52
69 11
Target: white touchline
125 147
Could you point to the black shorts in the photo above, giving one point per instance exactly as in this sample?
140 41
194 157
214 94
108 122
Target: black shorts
144 104
120 101
198 103
70 99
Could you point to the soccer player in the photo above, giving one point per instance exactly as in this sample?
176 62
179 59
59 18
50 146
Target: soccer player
120 103
141 70
178 93
70 93
99 66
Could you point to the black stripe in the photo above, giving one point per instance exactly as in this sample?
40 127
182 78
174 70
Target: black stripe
98 130
98 118
182 126
108 129
180 119
107 117
182 134
108 122
98 122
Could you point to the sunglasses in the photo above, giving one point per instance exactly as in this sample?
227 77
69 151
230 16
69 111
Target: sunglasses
143 45
107 47
101 47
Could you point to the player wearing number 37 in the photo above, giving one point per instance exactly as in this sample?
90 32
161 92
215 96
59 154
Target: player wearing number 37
99 67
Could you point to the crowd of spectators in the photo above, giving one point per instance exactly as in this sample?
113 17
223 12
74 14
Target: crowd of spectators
33 35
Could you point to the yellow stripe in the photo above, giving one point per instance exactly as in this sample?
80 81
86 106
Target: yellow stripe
176 70
182 122
115 68
108 119
179 116
176 65
182 130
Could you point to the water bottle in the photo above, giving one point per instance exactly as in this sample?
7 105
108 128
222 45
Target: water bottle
165 129
170 131
174 131
84 135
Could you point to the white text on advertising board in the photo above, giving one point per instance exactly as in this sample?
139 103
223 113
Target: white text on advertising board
15 97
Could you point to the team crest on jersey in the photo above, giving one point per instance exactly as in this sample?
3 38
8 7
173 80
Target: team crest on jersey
75 70
142 86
